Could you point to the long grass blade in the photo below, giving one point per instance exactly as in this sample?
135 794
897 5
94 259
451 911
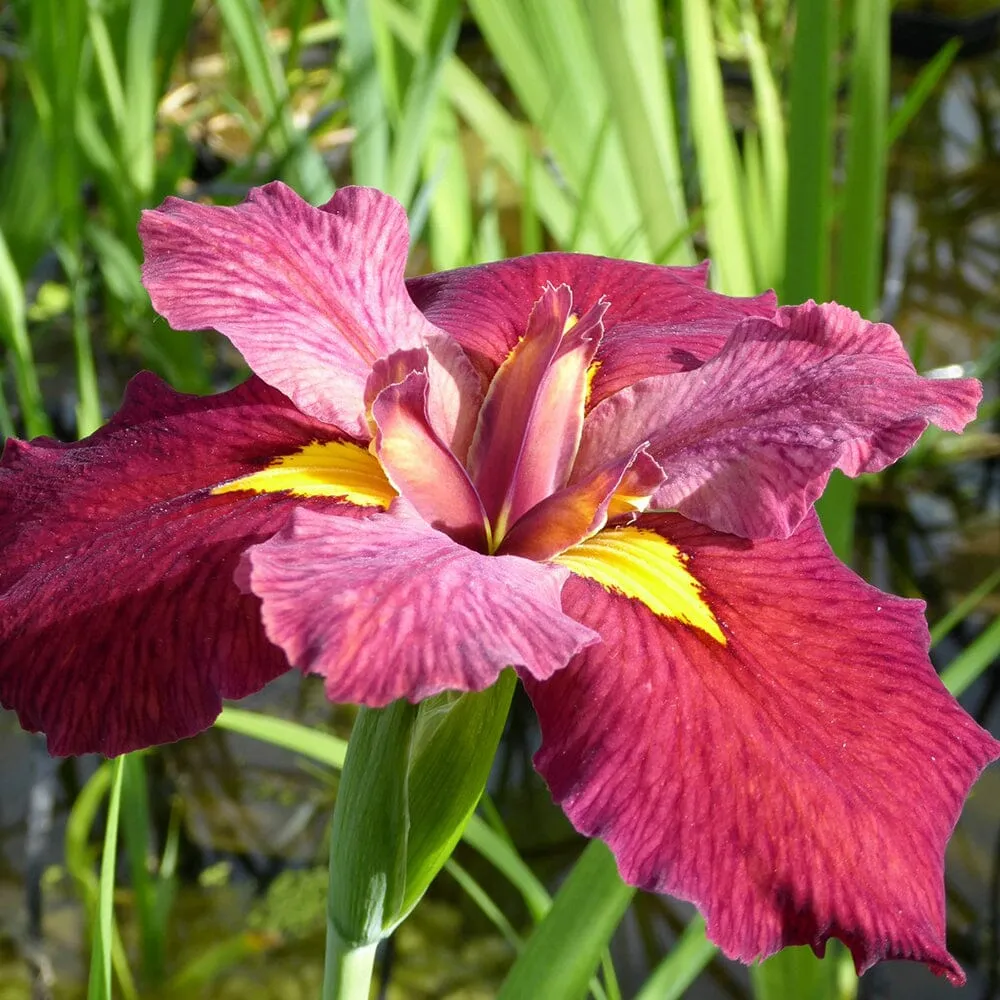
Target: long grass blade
560 957
685 961
974 660
643 115
14 335
964 608
810 152
99 987
718 161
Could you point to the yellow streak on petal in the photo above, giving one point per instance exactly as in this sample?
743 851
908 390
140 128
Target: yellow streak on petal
571 320
643 565
589 384
321 469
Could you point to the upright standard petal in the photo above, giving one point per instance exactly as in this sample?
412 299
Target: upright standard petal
795 773
386 608
422 467
530 422
311 297
660 320
120 624
749 439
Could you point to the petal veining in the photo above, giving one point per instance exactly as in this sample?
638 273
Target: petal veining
798 782
120 624
748 440
309 296
661 320
393 609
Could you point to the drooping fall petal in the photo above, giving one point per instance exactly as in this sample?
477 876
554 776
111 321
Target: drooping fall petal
796 774
422 467
749 439
311 297
390 608
120 624
660 319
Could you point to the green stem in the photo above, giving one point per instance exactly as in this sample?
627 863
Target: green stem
348 971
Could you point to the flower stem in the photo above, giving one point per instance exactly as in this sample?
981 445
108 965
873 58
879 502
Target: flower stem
348 971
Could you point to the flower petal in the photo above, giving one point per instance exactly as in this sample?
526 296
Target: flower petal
798 781
121 626
454 390
748 440
309 296
422 467
660 320
388 608
530 423
574 513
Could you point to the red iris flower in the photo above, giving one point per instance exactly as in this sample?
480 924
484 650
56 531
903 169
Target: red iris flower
598 472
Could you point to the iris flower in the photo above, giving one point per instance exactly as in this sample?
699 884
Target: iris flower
598 472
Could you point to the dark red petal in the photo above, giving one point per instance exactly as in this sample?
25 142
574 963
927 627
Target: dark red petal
798 782
121 626
660 320
311 297
386 607
748 440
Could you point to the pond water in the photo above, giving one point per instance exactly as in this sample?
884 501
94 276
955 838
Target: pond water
252 819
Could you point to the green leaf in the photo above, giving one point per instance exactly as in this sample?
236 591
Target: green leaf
309 742
629 43
562 953
14 335
964 608
455 742
797 972
810 152
365 99
99 987
718 161
980 654
928 78
687 958
857 282
368 843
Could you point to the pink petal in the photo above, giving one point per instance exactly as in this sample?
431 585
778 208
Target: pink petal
388 608
454 390
798 782
422 467
530 423
660 320
577 512
121 626
311 297
749 439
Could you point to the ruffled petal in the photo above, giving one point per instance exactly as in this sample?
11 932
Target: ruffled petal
311 297
422 467
388 608
748 440
660 320
796 775
121 626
